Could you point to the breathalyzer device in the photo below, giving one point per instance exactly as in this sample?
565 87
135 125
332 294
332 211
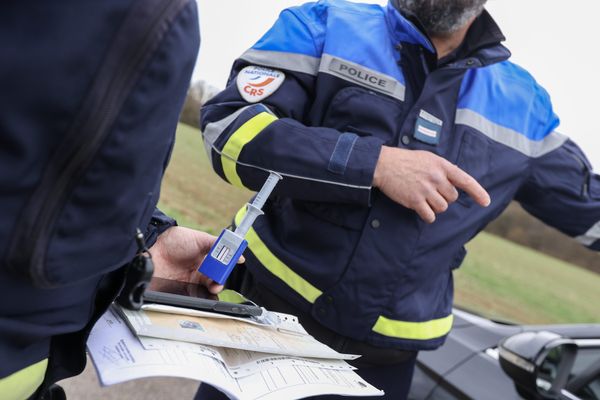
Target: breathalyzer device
230 245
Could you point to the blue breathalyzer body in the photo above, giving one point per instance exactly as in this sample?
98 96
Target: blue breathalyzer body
224 254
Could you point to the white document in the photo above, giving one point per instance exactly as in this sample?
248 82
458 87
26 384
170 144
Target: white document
242 363
229 332
119 356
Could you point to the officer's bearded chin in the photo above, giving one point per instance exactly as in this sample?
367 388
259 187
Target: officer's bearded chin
441 17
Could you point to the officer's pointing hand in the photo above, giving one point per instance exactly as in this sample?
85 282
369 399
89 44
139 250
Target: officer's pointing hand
423 181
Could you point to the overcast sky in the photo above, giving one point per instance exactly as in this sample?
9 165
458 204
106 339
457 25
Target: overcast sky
556 40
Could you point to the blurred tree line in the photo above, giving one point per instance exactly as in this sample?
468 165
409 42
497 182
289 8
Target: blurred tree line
517 225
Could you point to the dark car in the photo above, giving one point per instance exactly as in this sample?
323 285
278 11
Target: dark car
538 362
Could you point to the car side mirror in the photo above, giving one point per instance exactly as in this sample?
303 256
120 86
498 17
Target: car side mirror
539 363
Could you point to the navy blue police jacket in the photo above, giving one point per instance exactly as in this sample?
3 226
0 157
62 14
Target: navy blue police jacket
315 99
53 55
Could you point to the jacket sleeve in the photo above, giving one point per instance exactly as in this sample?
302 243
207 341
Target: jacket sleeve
246 139
158 224
563 192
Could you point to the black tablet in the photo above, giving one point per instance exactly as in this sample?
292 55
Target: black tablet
197 297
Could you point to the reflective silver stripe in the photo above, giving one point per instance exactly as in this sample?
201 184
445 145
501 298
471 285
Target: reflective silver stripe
588 238
294 176
279 59
327 64
362 75
509 137
213 130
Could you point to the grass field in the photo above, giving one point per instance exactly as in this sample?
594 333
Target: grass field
498 279
192 193
508 281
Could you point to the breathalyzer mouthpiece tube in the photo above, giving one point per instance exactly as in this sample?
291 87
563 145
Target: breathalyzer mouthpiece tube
228 248
265 191
254 209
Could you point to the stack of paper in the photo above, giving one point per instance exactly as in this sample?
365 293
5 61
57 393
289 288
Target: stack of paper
283 336
271 360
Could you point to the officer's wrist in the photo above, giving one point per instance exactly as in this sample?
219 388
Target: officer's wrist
380 167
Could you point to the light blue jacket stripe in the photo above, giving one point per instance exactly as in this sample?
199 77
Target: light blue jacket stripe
507 84
300 30
289 34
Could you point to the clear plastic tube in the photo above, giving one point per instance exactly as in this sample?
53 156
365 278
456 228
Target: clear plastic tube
254 209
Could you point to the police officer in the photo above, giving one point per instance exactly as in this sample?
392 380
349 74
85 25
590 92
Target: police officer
400 132
64 243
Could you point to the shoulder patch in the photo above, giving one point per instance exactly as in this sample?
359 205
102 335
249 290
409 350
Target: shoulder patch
257 83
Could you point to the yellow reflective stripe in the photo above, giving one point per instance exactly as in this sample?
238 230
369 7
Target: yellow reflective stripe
413 330
22 384
231 296
232 149
275 266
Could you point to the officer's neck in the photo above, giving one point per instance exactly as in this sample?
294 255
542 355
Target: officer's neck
446 44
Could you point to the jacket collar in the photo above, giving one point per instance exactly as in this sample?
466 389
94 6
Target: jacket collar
404 30
482 42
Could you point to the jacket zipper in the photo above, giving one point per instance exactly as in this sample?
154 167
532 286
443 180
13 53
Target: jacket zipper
98 113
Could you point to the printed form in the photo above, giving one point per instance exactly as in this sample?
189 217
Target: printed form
120 356
216 330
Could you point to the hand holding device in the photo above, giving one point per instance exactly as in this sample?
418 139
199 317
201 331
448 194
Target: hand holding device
224 254
177 253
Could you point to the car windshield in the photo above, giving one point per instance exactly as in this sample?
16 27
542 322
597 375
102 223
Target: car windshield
584 378
587 360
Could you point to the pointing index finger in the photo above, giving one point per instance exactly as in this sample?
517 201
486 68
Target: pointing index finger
466 182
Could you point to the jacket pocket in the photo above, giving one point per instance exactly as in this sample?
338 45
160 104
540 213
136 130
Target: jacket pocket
341 215
475 159
366 113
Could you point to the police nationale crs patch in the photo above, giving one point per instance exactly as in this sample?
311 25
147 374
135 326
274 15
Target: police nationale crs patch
257 83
